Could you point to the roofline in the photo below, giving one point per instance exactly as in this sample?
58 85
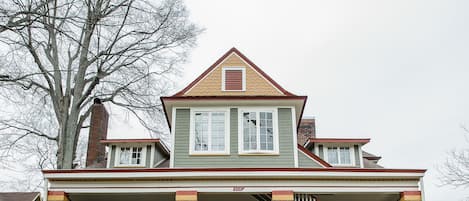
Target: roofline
158 141
109 141
179 98
163 98
340 140
220 60
314 156
333 169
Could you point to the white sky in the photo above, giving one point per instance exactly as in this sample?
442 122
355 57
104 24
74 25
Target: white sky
394 71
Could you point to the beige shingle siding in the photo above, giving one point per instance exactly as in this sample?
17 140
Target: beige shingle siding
211 85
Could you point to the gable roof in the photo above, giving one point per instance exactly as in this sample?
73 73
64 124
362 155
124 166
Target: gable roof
220 60
314 156
20 196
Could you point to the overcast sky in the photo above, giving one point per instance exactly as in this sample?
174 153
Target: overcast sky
395 71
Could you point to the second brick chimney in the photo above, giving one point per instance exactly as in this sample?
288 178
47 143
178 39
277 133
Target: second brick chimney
96 154
306 130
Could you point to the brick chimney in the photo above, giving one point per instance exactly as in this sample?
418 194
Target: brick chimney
306 130
96 155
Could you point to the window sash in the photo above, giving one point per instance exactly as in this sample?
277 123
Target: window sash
258 131
339 155
209 132
131 156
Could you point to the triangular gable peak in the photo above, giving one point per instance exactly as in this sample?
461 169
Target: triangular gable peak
233 75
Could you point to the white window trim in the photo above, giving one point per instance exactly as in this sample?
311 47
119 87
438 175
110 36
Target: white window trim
143 155
192 133
243 70
352 155
274 111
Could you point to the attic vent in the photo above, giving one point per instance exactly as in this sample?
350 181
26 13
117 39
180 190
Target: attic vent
234 79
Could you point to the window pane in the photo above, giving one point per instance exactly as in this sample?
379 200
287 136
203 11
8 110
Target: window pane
266 131
136 155
249 131
332 155
345 155
201 131
124 155
218 131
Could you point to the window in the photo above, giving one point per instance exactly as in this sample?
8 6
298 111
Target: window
233 79
209 131
258 133
339 155
130 156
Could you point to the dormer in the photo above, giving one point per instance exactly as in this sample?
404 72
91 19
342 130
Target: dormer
136 153
338 152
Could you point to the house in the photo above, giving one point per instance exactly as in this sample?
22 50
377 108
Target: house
236 135
20 196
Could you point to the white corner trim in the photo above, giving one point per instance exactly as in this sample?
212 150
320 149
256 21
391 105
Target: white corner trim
274 111
193 110
152 154
223 74
109 153
295 136
360 155
173 128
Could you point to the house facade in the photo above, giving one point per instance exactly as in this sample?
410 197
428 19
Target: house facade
236 135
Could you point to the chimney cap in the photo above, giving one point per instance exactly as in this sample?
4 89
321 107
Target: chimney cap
97 101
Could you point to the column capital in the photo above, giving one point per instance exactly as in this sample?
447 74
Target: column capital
57 196
283 195
411 196
186 195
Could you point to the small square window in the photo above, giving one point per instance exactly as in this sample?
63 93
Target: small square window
233 79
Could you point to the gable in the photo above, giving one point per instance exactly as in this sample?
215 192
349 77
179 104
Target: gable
234 71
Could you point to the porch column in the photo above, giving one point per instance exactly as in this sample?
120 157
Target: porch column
57 196
411 196
186 195
282 196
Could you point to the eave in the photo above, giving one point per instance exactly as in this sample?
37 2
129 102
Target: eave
185 173
298 102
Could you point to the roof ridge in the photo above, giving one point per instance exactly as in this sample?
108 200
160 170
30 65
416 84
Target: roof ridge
222 58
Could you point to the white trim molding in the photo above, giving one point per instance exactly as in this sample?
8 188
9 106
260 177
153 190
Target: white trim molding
258 110
143 154
210 110
351 153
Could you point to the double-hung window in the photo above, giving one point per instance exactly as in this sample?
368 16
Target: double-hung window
130 156
258 131
209 131
339 155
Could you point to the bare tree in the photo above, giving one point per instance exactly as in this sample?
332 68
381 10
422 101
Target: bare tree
59 55
455 171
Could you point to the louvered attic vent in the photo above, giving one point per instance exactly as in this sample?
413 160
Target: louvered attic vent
234 79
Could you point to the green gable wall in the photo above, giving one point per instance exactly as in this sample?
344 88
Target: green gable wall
306 162
284 159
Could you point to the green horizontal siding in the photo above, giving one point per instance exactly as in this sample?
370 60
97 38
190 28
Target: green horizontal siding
306 162
284 159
